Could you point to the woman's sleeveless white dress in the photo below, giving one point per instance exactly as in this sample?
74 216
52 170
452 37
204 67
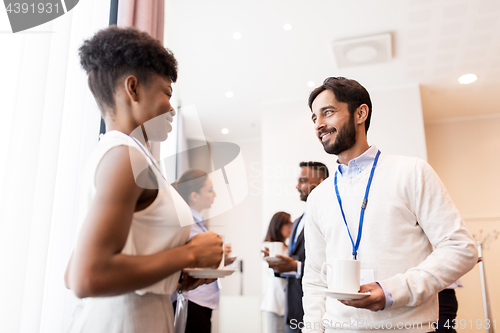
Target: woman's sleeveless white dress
163 225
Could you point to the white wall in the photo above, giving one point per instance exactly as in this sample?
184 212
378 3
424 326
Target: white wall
397 125
466 154
241 227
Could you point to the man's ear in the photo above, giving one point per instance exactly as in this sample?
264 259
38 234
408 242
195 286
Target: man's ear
361 114
131 88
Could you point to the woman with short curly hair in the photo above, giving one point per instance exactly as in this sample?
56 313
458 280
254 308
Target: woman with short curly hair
133 235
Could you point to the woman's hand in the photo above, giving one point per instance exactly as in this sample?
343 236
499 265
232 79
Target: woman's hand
191 283
227 255
229 261
206 248
227 250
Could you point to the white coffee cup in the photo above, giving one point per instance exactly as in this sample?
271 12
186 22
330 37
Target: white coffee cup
276 248
221 264
344 275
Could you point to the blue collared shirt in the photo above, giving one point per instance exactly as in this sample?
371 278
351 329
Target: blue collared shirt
358 164
206 295
351 170
199 225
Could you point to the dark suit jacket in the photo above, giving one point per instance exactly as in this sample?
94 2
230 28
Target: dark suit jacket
294 292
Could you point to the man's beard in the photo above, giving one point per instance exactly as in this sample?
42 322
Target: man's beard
346 138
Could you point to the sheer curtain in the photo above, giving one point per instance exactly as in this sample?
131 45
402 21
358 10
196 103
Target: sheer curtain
50 123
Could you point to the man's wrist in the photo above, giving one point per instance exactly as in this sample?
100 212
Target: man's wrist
389 299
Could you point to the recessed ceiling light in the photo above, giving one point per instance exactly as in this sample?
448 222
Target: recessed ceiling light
287 27
224 131
467 78
237 35
229 94
311 84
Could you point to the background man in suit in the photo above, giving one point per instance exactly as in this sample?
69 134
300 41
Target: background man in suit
292 267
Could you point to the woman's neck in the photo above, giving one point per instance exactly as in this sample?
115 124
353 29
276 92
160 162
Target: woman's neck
113 124
196 207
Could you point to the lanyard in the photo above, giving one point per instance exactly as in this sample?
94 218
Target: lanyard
295 236
202 226
363 207
152 160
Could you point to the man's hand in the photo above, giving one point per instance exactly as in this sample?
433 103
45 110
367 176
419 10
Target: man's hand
191 283
285 265
374 302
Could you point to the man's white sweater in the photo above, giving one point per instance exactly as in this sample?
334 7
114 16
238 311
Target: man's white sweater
409 211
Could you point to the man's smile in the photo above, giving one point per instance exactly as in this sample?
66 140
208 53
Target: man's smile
326 134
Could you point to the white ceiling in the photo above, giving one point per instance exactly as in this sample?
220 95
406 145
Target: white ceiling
434 42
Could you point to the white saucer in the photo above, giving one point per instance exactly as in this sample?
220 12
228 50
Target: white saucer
272 259
344 295
208 273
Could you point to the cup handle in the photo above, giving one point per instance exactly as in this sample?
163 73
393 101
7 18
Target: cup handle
324 271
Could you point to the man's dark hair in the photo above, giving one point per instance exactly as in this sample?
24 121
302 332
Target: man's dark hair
345 91
317 167
114 52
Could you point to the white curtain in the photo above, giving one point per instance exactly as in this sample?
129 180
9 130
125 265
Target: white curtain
50 124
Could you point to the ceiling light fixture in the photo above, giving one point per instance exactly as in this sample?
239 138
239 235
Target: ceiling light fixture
361 54
287 27
311 84
363 50
229 94
237 35
467 78
224 131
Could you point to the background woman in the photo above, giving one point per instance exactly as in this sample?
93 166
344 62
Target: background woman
196 188
273 302
131 246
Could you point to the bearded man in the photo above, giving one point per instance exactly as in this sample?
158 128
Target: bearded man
386 211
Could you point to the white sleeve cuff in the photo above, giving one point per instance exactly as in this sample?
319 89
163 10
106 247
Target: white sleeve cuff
389 300
299 270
